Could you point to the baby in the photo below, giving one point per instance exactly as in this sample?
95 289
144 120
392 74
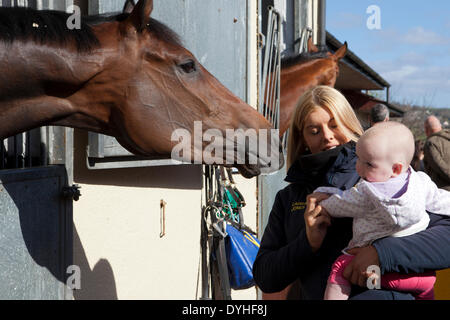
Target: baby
389 200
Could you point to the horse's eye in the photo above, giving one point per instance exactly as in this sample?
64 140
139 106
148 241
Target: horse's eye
188 67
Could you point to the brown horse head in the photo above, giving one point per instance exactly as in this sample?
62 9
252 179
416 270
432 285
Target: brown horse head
304 71
136 82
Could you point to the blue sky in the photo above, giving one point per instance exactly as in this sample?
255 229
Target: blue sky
411 50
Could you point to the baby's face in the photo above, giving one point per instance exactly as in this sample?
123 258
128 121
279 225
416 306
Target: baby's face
372 165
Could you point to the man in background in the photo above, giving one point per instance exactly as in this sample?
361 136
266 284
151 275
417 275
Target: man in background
437 152
379 113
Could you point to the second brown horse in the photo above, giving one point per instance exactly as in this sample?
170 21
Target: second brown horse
303 72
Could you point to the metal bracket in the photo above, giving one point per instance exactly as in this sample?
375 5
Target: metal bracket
72 192
261 40
162 218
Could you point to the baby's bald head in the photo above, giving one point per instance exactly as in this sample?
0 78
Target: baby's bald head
390 140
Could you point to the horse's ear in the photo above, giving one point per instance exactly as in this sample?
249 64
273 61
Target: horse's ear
341 52
140 15
129 6
311 46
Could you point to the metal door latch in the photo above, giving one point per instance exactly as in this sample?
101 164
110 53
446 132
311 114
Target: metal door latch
162 218
72 192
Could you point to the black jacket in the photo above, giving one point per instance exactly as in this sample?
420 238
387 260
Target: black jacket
285 254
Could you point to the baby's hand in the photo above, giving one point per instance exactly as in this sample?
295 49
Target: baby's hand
317 196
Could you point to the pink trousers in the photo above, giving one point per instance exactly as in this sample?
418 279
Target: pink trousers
421 285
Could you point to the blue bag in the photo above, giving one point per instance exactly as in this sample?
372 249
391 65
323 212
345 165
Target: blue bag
241 249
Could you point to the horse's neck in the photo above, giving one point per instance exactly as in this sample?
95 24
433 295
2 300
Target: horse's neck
25 64
36 82
296 80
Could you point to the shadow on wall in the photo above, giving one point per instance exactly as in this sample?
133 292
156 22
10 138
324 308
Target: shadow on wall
96 284
188 177
38 240
35 245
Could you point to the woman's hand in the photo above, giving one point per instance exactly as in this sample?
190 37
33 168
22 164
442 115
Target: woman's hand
356 271
317 220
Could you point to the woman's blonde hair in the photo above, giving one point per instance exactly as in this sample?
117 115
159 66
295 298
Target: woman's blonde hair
332 101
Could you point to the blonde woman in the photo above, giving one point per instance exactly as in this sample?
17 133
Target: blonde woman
301 242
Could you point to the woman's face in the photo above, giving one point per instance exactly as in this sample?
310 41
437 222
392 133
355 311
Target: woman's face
321 132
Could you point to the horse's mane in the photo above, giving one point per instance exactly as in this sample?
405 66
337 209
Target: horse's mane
43 27
46 26
301 58
160 30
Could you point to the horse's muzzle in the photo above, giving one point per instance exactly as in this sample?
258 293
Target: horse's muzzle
267 164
